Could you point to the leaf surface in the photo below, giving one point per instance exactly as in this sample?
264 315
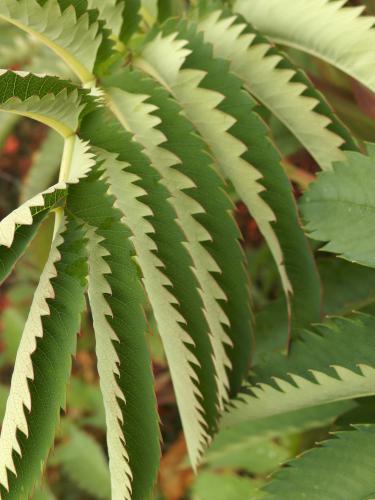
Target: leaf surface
205 214
326 29
223 114
43 364
339 206
343 463
164 260
124 364
280 86
70 31
316 372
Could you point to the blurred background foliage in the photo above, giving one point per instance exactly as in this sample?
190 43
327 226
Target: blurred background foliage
240 458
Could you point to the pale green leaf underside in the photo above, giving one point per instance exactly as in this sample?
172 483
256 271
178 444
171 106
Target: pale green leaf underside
123 359
315 373
170 322
325 29
81 162
219 237
163 58
302 393
24 214
44 61
250 130
149 11
56 103
19 398
273 87
341 467
108 367
238 437
39 348
74 40
61 111
339 209
137 115
111 11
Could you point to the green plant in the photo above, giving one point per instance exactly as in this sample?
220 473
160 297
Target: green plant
160 118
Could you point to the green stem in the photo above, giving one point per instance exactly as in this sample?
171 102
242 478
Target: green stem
59 217
65 167
67 157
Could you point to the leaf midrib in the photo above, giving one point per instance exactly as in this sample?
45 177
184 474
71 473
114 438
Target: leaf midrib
85 76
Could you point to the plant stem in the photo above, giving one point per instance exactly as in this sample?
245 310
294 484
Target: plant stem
67 157
65 167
